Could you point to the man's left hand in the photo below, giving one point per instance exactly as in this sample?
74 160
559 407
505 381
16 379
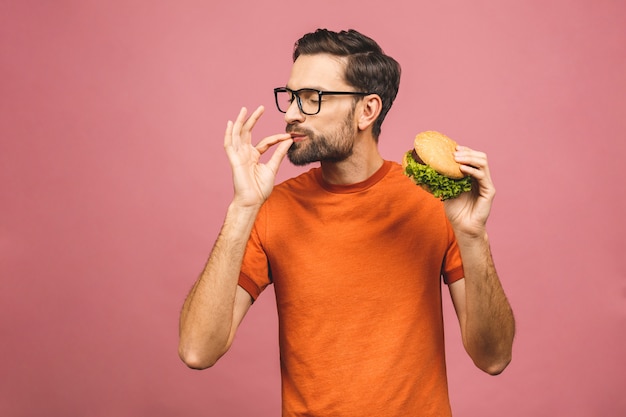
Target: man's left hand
468 212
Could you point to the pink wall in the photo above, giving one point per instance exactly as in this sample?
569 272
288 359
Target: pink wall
113 186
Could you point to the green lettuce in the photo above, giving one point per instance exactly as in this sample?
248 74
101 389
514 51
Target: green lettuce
439 185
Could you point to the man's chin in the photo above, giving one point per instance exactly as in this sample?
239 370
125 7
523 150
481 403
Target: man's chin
299 160
297 155
300 154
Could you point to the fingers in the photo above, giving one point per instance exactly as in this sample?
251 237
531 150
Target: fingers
472 162
279 154
238 137
269 141
283 140
228 135
242 128
239 132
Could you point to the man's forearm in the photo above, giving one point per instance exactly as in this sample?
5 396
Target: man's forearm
489 325
207 315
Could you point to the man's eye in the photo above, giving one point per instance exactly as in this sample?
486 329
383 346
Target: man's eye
310 97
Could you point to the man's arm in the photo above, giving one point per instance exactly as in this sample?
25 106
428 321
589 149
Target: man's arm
485 316
216 305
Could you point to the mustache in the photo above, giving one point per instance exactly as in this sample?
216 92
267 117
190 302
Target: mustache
298 130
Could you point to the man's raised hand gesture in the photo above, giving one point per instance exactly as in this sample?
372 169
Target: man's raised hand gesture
253 182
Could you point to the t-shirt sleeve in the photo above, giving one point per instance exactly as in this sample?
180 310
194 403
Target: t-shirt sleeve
254 276
452 269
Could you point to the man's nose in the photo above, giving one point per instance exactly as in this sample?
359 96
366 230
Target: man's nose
293 113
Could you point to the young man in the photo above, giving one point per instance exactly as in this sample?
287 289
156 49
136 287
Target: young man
355 250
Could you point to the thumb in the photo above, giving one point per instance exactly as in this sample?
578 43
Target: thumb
279 155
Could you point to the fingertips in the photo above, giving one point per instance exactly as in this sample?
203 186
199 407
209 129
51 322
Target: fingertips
469 170
256 115
287 142
461 156
279 154
470 157
249 123
264 144
242 114
228 134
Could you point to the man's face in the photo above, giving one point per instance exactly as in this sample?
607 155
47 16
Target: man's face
328 135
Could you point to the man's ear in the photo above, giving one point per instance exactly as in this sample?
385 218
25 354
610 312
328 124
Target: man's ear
371 106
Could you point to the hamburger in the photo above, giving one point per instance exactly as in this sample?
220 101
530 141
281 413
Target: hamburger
431 165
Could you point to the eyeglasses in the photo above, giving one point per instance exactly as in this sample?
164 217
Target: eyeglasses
309 99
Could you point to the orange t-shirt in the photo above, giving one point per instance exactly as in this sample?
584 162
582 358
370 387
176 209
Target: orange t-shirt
357 274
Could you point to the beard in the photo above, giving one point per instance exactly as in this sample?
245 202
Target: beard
332 147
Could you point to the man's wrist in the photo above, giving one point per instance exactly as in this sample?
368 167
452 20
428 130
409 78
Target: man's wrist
472 236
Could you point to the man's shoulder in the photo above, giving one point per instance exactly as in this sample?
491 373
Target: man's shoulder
409 190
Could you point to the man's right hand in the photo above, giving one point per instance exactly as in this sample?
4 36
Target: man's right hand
253 181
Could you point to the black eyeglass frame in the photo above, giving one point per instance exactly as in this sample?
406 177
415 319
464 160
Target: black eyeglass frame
320 93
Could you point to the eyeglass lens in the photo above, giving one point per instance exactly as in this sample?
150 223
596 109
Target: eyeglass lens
309 100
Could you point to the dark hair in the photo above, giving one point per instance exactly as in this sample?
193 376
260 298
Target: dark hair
368 69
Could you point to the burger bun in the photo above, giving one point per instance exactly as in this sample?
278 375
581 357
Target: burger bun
437 150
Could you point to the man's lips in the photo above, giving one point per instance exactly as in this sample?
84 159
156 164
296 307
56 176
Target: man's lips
298 137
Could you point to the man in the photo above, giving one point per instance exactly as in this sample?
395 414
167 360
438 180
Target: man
355 250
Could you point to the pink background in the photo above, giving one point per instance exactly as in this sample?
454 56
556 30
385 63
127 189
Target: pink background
114 184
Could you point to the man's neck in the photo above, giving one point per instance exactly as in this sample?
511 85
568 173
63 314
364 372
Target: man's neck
361 165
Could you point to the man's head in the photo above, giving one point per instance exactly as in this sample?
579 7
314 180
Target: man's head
367 68
323 127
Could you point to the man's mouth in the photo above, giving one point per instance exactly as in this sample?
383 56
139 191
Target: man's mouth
298 137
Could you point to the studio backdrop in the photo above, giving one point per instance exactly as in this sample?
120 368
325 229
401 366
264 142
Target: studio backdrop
114 184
